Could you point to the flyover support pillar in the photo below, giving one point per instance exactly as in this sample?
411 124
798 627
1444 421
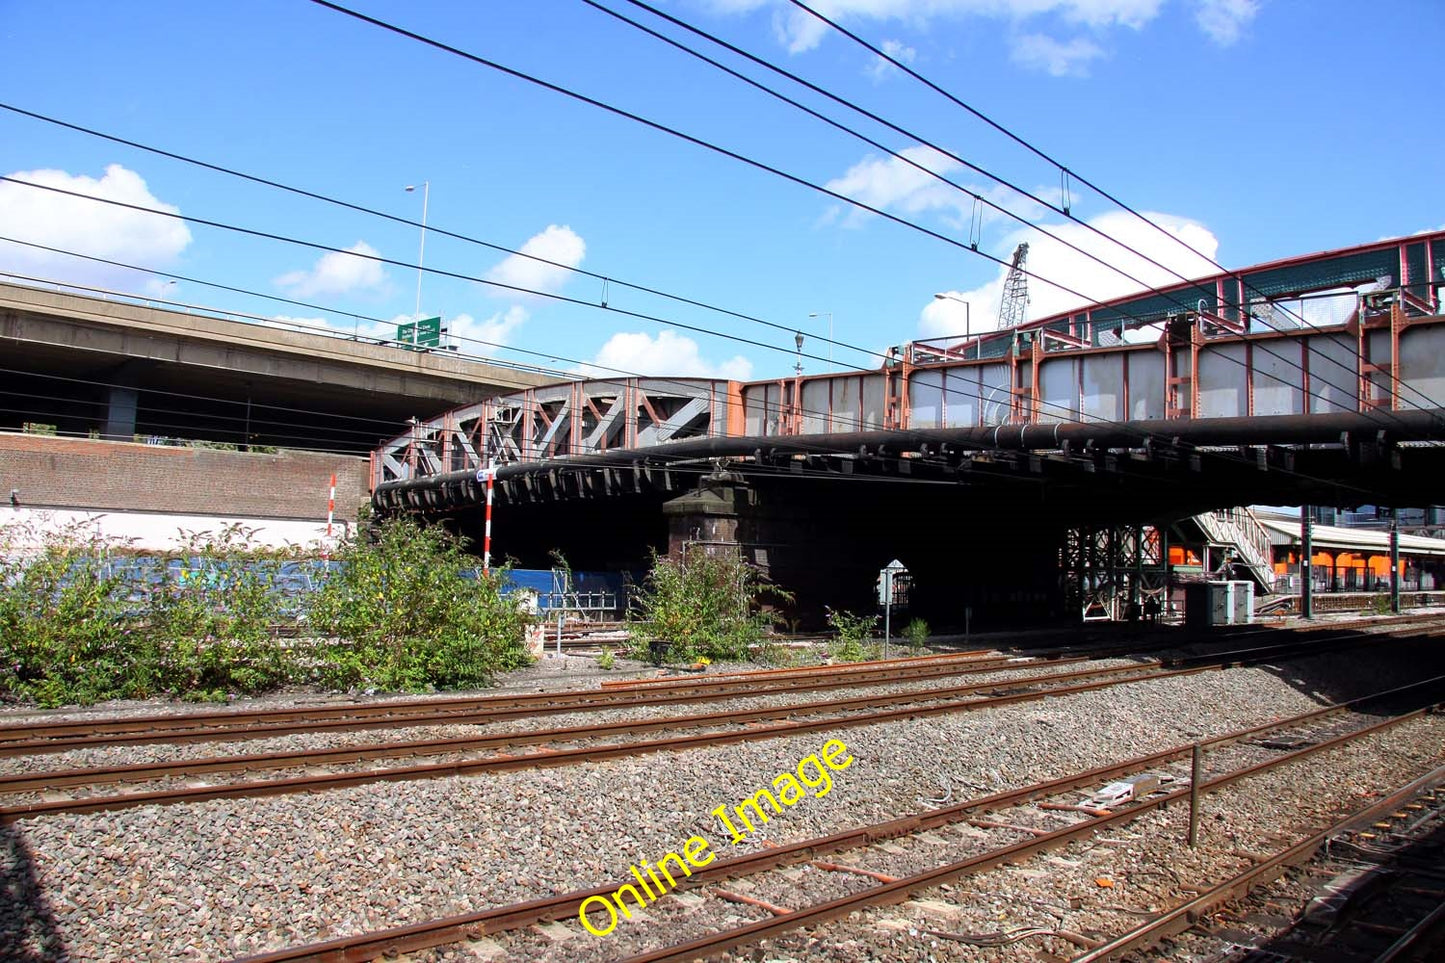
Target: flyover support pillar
120 412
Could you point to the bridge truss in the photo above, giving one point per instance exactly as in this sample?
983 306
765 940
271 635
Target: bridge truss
1219 348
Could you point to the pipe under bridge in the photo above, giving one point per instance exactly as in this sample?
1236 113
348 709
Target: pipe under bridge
975 454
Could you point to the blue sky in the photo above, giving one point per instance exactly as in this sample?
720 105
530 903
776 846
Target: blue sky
1253 129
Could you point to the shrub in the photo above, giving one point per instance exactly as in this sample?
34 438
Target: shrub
407 610
213 614
701 606
854 635
916 632
66 623
606 661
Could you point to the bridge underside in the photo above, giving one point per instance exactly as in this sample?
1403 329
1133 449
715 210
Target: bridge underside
979 529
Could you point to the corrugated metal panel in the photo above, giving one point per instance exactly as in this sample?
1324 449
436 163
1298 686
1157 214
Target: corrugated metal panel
925 399
845 403
1059 388
1334 374
1223 381
815 406
1103 398
1422 367
1146 385
995 398
961 396
1277 377
872 401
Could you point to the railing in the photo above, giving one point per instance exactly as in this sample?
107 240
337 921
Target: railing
1239 529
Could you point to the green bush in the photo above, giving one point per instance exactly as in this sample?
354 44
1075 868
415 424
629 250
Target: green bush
66 629
855 633
407 609
916 632
82 619
701 606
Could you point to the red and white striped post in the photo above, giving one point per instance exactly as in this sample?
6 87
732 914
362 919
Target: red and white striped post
331 505
487 475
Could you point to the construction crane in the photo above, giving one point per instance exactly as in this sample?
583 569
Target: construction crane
1013 309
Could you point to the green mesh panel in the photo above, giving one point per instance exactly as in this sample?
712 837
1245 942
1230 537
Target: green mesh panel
1320 275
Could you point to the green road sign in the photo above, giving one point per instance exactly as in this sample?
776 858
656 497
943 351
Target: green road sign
426 333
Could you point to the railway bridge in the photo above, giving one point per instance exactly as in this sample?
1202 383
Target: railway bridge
1315 380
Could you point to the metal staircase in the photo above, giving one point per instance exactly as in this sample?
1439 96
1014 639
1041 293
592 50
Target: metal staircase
1238 530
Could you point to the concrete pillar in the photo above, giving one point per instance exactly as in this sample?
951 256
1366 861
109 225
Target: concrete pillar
120 414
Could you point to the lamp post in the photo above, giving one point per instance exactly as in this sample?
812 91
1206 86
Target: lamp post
967 312
421 254
829 316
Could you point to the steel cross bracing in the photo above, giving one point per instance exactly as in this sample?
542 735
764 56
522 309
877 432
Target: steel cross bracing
1111 573
1227 346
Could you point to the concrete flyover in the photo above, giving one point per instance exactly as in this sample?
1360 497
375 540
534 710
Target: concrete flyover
120 367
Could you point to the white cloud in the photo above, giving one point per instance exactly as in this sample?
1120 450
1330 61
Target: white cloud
338 272
1221 20
893 183
1051 259
483 337
558 244
1037 51
667 355
85 227
899 52
1225 20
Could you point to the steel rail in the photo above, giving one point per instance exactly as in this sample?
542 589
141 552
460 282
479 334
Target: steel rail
559 757
29 781
889 893
344 719
1185 915
418 936
217 726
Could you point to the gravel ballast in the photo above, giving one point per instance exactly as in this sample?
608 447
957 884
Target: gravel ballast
227 878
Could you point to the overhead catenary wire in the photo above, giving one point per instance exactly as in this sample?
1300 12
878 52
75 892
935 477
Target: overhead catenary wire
349 205
787 444
1066 174
605 279
979 396
726 152
1065 210
780 444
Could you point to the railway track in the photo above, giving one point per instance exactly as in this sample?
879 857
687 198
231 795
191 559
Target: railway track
38 794
1056 824
60 736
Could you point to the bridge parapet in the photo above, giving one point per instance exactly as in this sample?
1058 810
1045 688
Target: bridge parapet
1230 346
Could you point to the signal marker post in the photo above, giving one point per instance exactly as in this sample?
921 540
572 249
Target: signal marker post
487 475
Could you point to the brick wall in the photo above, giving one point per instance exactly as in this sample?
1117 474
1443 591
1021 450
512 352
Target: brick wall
121 476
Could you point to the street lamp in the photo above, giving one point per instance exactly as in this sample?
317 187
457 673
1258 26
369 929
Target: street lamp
421 254
829 315
967 310
798 367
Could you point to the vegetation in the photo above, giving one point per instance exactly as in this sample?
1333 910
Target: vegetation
83 618
406 609
606 661
855 633
916 632
701 606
